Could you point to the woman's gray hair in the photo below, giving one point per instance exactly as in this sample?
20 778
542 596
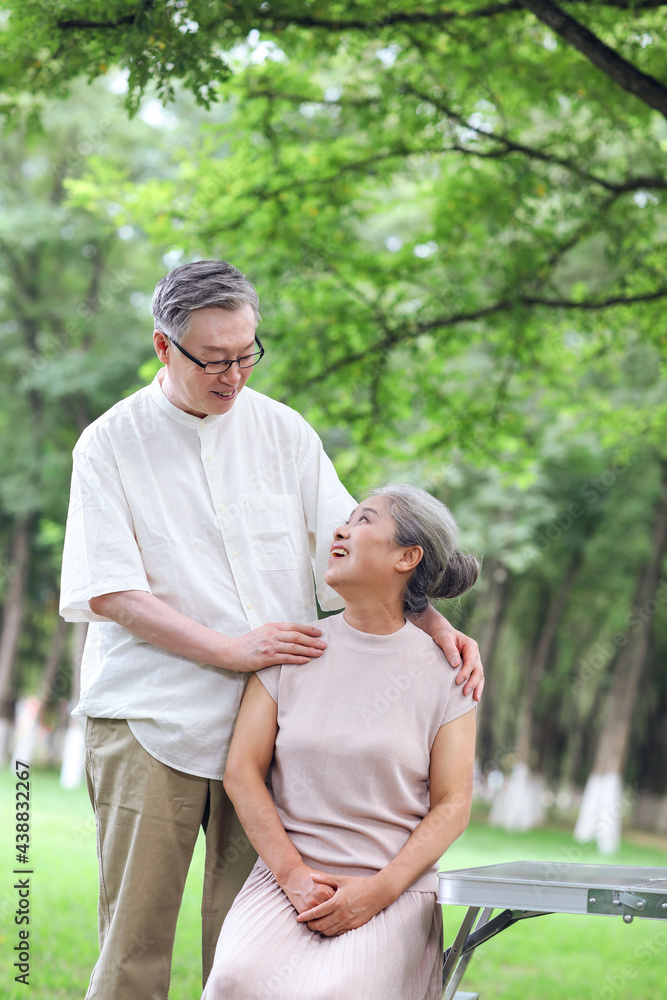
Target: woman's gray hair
200 285
422 520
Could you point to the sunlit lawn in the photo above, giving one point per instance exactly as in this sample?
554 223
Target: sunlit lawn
549 958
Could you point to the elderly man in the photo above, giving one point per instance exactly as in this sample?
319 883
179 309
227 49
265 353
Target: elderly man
200 511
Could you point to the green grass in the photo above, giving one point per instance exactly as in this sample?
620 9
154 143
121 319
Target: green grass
549 958
63 926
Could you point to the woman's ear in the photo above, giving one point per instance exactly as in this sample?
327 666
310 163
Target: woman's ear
410 559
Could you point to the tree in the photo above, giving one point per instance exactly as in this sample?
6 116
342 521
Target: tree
12 621
454 218
418 193
69 319
157 42
601 808
505 143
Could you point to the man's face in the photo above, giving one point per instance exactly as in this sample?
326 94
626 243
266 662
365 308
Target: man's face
215 335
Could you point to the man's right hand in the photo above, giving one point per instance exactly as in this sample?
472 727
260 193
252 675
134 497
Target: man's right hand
273 644
150 619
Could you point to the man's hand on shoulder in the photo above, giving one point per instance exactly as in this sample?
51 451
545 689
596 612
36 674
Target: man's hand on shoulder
460 650
272 644
150 619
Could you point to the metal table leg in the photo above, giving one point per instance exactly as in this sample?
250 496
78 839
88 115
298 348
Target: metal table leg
457 958
453 972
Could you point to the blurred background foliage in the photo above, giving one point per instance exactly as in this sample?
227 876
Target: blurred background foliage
455 220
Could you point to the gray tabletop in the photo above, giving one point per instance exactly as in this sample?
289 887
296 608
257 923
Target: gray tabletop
559 887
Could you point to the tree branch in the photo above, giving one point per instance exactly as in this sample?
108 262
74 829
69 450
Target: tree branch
418 17
614 300
82 23
127 19
510 146
631 5
646 88
400 336
273 19
389 20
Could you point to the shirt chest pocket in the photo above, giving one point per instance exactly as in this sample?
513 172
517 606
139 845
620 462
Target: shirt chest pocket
275 531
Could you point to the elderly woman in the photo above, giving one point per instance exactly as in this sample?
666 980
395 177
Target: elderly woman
370 753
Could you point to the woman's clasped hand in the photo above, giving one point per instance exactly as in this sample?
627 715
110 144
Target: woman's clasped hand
355 901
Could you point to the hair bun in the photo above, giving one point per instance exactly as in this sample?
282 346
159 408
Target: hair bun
458 576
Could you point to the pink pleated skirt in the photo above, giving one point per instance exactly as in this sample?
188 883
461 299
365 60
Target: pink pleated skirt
264 954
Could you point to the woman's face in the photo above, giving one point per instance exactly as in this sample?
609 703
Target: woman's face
363 551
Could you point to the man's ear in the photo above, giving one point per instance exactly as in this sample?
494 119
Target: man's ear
410 559
161 345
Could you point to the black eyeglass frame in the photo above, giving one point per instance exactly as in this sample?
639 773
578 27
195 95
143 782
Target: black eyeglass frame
205 364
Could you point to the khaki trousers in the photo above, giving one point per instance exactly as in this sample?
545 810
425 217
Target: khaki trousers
148 817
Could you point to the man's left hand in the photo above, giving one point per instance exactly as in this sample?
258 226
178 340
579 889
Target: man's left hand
462 651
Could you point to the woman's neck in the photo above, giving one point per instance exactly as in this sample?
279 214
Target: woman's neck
373 616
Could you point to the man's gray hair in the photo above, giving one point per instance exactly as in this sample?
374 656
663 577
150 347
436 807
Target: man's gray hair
422 520
200 285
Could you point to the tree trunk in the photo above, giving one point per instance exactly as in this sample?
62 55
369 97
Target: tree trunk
25 743
586 698
11 627
496 600
572 755
48 688
602 804
518 805
541 656
71 772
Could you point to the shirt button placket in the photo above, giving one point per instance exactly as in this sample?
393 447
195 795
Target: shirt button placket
216 487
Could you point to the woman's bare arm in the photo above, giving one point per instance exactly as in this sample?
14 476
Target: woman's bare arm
248 762
358 899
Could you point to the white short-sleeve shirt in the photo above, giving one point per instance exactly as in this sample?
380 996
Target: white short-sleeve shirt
228 519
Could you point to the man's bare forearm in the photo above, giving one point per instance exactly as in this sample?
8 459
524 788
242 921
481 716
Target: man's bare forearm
150 619
430 621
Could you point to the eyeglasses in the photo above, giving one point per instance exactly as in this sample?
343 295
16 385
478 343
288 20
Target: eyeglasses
218 367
